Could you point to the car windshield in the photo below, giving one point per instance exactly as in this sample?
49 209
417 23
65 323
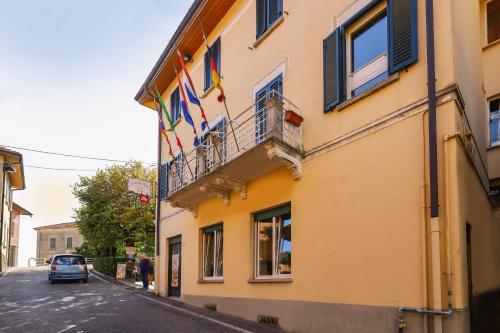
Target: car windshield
69 260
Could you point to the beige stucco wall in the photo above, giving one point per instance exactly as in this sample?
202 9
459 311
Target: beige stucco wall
357 211
43 246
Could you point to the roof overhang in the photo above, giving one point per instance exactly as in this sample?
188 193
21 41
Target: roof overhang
20 210
15 160
188 39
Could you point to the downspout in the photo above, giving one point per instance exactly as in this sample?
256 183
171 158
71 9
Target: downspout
4 173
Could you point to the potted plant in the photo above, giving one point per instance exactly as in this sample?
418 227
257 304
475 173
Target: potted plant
293 118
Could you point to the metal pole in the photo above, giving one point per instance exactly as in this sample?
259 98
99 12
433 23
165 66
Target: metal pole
230 122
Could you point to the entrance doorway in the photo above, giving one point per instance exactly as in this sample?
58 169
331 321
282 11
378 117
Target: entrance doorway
174 266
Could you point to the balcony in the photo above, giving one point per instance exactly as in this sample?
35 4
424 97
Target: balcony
263 138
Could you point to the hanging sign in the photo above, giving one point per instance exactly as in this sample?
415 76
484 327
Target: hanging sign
139 186
144 198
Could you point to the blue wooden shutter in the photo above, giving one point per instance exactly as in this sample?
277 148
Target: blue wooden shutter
261 17
221 131
403 34
332 70
163 182
274 11
217 54
208 72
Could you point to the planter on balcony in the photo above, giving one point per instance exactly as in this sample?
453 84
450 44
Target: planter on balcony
293 118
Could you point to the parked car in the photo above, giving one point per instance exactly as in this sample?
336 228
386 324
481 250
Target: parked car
68 267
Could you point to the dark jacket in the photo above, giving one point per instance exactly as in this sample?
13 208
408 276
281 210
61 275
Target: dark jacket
144 266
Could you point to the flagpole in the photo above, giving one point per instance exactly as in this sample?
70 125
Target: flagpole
222 96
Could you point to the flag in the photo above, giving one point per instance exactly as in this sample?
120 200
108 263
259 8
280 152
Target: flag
185 110
163 132
191 92
165 111
215 74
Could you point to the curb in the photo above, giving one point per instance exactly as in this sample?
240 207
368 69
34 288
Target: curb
113 280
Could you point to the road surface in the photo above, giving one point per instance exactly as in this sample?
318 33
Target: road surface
29 303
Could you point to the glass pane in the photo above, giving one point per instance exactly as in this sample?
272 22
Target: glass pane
493 20
494 130
368 84
218 253
208 254
284 244
369 42
265 239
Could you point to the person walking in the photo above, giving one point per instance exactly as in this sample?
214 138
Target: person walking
144 268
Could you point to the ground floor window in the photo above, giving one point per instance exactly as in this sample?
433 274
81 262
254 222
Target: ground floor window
273 242
213 238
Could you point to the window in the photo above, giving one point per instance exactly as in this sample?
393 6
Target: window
215 52
377 41
213 238
268 12
493 20
367 62
213 146
175 105
273 242
52 243
69 242
494 122
261 117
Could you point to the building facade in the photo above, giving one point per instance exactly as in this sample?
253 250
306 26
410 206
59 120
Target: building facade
15 220
11 178
57 239
345 194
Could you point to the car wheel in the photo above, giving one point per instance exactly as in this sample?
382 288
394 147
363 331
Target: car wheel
85 280
52 281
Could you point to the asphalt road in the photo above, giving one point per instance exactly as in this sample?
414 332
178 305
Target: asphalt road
29 303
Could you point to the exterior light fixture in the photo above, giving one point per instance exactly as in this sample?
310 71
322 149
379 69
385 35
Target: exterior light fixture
187 58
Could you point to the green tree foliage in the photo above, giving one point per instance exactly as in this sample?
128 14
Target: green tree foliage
111 216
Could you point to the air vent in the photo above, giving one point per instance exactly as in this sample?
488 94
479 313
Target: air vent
270 320
210 306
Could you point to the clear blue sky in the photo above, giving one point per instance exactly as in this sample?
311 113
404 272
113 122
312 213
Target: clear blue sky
69 71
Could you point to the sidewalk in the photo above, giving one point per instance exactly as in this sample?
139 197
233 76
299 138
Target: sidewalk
125 282
233 323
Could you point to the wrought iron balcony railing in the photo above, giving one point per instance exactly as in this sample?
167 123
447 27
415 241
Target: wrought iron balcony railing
272 122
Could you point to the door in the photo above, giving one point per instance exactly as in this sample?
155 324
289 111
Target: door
174 266
275 87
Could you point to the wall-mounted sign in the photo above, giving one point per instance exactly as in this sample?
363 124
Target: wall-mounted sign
139 186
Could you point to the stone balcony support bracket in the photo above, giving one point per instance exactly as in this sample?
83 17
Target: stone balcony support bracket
184 205
293 162
235 184
219 192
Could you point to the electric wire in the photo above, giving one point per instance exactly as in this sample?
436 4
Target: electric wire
70 155
47 168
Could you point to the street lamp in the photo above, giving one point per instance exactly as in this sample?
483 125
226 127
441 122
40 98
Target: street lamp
6 169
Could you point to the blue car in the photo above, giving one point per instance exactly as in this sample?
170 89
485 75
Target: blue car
68 267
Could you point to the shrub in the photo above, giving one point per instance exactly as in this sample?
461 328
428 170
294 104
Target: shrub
107 265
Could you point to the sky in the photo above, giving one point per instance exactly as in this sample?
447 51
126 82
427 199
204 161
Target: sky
69 71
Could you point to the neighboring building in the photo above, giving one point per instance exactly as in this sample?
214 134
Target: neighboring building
336 223
56 239
15 219
11 178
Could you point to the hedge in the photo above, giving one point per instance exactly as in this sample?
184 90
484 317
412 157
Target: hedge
107 265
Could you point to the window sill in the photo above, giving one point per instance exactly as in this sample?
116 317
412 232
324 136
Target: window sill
490 45
268 32
493 147
270 280
206 92
211 281
368 92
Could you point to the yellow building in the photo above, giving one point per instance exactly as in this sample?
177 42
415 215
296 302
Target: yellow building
391 182
11 178
57 239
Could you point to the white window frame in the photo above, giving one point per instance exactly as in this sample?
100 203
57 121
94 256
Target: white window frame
372 69
275 274
214 277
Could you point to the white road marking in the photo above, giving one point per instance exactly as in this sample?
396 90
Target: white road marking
67 328
194 314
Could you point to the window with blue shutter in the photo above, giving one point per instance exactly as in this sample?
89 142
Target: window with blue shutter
175 105
380 40
268 12
275 87
163 182
215 51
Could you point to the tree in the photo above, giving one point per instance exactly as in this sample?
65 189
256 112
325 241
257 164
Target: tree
110 215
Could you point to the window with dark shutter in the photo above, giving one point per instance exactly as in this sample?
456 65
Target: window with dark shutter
268 12
175 106
216 54
403 41
163 182
332 79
